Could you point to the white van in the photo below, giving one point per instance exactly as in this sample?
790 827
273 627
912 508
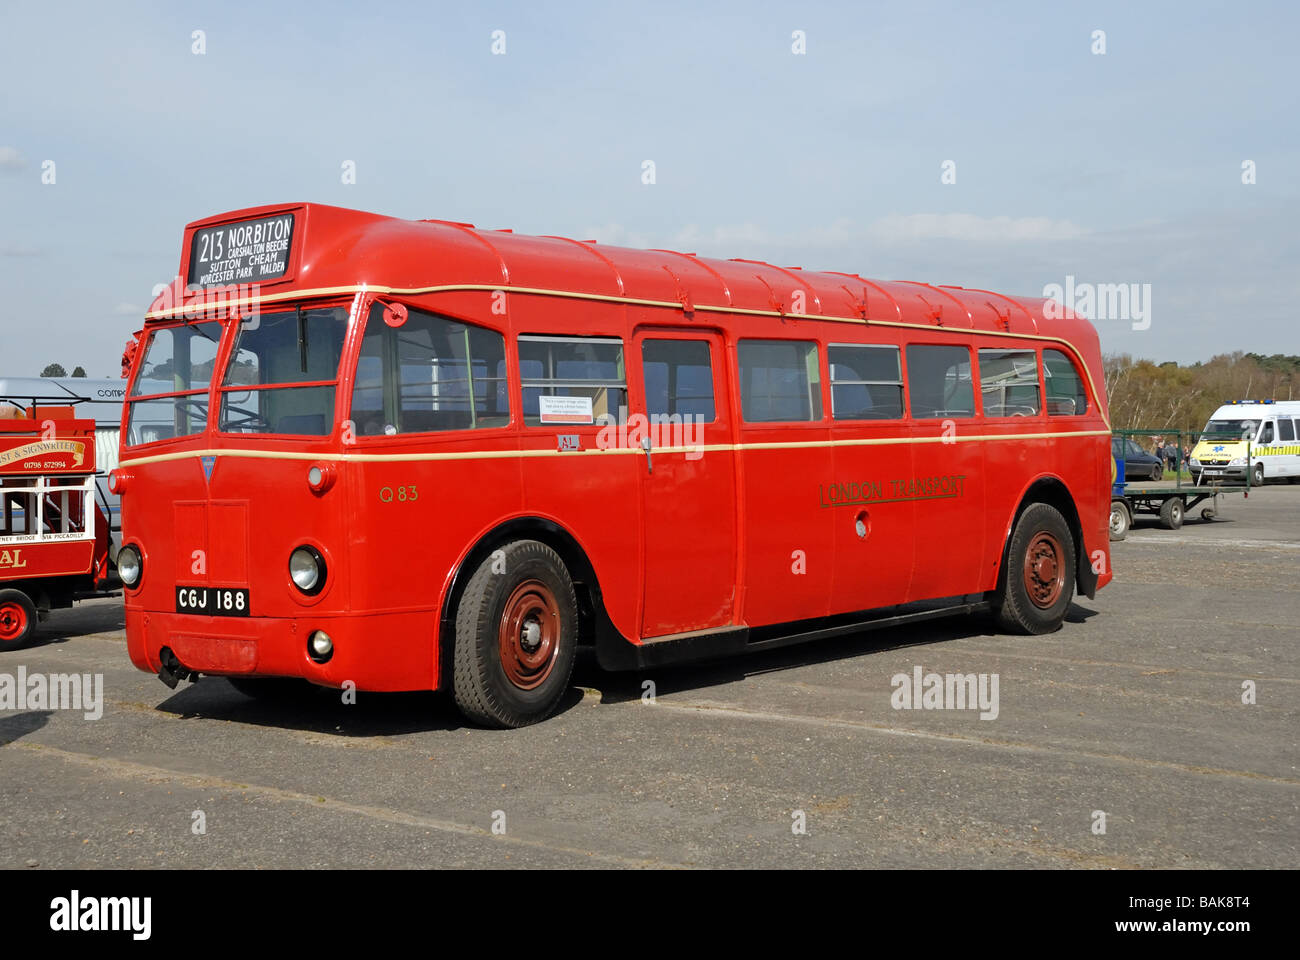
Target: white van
1270 427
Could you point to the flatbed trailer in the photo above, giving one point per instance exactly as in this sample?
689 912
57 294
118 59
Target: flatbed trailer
1169 500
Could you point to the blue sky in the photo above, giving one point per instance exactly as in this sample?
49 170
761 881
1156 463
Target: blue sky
1117 168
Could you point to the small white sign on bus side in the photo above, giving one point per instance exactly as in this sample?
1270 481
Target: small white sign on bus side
565 410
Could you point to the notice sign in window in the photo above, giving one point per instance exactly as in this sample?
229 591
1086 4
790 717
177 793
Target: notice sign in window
246 252
565 410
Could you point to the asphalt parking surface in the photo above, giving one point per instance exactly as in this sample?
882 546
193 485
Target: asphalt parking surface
1133 709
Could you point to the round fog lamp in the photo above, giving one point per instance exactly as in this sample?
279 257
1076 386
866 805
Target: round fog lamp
321 646
307 570
128 565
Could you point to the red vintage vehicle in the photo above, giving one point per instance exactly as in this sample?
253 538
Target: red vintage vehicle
53 535
415 455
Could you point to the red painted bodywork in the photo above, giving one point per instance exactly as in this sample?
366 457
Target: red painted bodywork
693 545
50 442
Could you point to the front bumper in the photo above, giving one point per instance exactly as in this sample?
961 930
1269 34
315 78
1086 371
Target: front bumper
1216 472
383 652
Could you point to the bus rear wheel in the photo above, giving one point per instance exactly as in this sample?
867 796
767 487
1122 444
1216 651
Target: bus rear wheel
1038 582
17 619
516 636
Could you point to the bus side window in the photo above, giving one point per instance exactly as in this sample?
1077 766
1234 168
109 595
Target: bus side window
432 373
939 381
678 378
589 369
1009 383
780 381
866 382
1066 395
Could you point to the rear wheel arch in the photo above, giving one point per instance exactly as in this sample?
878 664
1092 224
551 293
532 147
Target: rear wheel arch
1053 492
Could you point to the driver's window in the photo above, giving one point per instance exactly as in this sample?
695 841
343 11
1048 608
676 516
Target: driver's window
1266 435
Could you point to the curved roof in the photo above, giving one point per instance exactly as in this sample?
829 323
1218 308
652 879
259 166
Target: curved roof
338 249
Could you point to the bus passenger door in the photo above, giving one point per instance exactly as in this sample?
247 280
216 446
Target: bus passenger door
688 493
947 484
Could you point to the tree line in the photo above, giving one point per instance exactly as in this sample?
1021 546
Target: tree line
56 370
1166 396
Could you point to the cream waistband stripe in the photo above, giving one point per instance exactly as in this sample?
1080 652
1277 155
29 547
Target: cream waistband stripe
522 454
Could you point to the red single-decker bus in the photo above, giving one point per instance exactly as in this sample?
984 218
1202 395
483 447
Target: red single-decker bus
416 455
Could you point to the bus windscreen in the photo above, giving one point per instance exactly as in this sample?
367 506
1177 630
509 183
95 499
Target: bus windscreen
283 372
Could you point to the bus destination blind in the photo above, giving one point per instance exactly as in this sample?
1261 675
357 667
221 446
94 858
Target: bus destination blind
247 252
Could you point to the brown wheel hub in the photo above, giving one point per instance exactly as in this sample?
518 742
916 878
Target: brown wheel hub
1044 571
529 634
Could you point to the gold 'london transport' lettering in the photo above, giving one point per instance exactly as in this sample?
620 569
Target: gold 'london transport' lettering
857 492
12 560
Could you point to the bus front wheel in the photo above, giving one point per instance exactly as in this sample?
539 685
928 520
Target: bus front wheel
516 636
1038 582
17 619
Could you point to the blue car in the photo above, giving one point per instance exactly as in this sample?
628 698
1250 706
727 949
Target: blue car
1138 464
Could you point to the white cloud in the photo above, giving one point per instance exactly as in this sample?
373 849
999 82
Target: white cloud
966 226
11 159
617 235
751 240
739 237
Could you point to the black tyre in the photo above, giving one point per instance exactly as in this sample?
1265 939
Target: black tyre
1171 513
1120 519
516 636
1157 474
1038 581
17 619
1257 475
